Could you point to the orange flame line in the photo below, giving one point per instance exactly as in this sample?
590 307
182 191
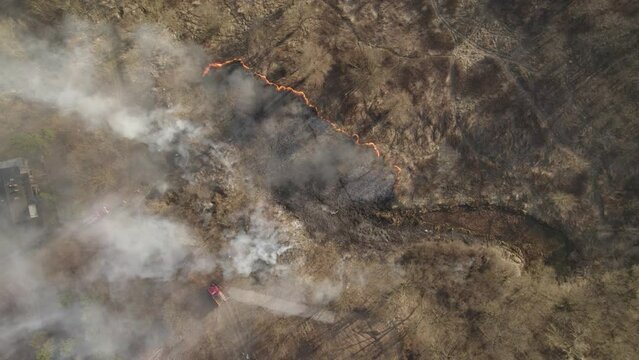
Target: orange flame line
299 94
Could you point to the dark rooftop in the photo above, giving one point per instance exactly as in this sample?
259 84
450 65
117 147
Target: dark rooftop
18 201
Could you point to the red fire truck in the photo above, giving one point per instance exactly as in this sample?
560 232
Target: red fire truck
216 293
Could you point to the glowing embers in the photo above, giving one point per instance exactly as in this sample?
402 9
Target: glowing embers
296 153
298 93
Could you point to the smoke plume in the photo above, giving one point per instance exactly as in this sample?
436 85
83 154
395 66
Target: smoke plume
75 74
107 284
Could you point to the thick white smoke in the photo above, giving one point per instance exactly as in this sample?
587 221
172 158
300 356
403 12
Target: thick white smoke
124 253
135 245
86 282
71 76
131 252
257 247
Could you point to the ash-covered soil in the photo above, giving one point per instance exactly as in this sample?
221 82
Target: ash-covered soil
510 231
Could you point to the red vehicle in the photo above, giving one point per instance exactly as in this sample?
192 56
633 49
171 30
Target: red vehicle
216 293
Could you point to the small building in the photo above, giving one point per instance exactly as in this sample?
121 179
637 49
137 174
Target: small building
18 193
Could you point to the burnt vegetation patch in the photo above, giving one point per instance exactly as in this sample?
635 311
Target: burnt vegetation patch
484 77
530 16
508 124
